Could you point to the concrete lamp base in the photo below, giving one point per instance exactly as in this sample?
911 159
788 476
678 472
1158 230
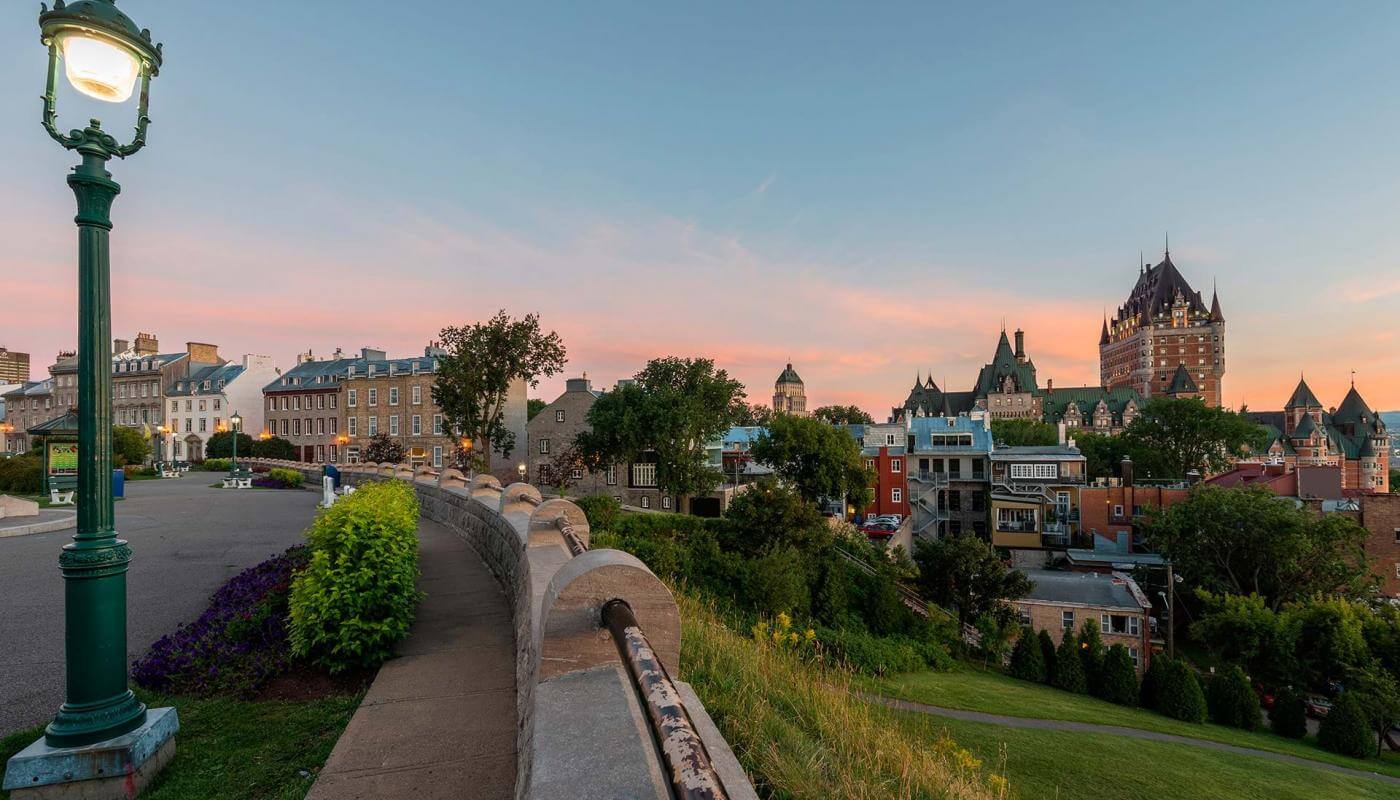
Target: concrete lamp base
117 769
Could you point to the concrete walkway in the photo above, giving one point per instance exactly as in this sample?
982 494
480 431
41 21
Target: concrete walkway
440 719
1116 730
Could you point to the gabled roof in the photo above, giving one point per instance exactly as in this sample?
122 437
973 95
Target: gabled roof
1181 382
1086 398
219 377
1303 397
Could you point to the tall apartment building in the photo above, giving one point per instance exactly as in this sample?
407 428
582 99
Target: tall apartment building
395 397
14 366
1164 325
304 406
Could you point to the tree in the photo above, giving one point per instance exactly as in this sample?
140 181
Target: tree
1379 697
1118 680
1048 655
128 446
474 379
1245 631
994 632
1288 717
274 447
1091 654
384 450
1175 436
843 415
770 515
1345 729
756 415
534 406
1150 691
1022 432
963 572
1069 674
1330 640
673 409
565 468
1246 541
1179 696
775 582
1102 453
220 445
1027 662
1232 700
820 460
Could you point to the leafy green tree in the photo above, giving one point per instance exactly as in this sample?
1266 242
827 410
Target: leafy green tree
220 445
1118 681
1247 541
1232 700
771 515
994 633
1022 432
756 415
1330 643
843 415
820 460
1179 695
1027 662
1069 672
1245 631
1288 717
1103 453
533 406
382 449
1150 691
1346 729
1091 654
963 572
1048 655
128 446
1380 699
273 447
674 409
1174 436
483 360
776 584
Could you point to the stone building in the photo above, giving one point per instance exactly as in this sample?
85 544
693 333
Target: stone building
1164 325
201 404
1351 437
1061 602
789 393
28 405
14 366
304 406
395 397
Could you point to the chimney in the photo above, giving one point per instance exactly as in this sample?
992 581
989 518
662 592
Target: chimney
306 358
1126 469
120 346
202 353
1049 384
1060 431
337 354
1020 345
146 344
578 385
370 354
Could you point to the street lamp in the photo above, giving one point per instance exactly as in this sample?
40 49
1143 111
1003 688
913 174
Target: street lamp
104 53
5 430
521 469
234 422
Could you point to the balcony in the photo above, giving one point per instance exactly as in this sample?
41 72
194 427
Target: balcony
1016 526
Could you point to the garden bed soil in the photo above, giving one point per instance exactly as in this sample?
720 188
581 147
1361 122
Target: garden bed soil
303 681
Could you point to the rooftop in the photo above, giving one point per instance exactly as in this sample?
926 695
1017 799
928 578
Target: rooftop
1084 588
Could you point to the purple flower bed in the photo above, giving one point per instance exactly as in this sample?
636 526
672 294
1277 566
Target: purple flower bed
270 483
237 644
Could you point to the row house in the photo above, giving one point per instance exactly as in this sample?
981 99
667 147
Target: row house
395 397
884 447
303 406
947 472
201 404
1035 496
30 403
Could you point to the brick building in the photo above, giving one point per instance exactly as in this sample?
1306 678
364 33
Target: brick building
1113 512
885 450
1350 437
14 366
395 397
1061 602
304 406
1162 326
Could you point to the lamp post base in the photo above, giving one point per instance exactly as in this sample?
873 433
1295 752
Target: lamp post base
116 769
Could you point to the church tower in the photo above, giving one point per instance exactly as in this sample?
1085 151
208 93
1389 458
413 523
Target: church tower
789 393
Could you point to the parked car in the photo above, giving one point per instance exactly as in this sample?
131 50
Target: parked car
880 529
893 519
1266 696
1317 706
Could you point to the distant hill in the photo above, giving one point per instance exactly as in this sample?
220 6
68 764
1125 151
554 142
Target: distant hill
1391 420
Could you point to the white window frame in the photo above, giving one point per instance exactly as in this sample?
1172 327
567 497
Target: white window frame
896 495
896 465
1067 620
437 456
373 398
416 425
393 395
437 424
415 395
559 415
352 398
393 424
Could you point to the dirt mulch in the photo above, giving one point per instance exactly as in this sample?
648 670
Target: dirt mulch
303 681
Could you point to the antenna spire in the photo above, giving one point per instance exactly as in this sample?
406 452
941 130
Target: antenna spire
1167 244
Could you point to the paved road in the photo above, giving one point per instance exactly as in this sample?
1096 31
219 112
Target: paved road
187 538
1116 730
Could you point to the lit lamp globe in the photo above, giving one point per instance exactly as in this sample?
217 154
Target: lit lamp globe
103 51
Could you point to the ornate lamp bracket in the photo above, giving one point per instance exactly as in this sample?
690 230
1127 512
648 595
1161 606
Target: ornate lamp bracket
93 137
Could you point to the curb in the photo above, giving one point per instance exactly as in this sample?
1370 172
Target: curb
70 521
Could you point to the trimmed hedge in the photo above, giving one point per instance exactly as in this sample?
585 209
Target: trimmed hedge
602 511
1027 662
1289 717
1180 696
288 478
357 597
1118 677
21 475
1233 701
1346 730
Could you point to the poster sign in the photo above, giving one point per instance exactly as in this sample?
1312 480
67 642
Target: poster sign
63 459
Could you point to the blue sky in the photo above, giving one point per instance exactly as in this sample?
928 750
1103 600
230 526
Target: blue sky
868 190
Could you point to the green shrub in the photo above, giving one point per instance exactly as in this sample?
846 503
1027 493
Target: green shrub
1288 717
289 478
1048 656
128 446
1151 689
1232 700
1069 668
1180 696
22 475
273 447
1091 655
357 597
1346 729
776 584
602 511
871 655
1118 678
1026 661
220 445
216 465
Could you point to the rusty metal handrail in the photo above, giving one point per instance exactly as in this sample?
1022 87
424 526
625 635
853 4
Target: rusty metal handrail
566 529
692 775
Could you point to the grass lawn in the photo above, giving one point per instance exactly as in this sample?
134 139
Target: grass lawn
976 690
236 750
1051 765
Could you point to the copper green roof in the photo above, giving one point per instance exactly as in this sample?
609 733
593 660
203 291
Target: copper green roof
1181 382
1353 410
1086 399
1303 397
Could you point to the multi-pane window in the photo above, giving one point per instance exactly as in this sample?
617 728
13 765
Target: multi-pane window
1067 620
559 415
284 427
393 424
417 425
393 395
334 426
896 465
416 395
612 476
352 397
437 424
644 475
372 427
1033 471
896 495
544 447
320 402
352 426
321 426
437 455
373 397
296 427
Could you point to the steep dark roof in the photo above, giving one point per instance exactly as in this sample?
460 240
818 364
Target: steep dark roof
1354 411
1215 315
1303 397
1103 337
789 375
1004 363
1181 382
1155 291
1086 398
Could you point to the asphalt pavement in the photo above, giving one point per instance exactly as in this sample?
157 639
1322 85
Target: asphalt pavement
187 539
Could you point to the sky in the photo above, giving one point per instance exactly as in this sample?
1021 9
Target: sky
869 191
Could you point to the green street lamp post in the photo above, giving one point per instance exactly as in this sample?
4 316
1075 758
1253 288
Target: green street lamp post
104 54
234 423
